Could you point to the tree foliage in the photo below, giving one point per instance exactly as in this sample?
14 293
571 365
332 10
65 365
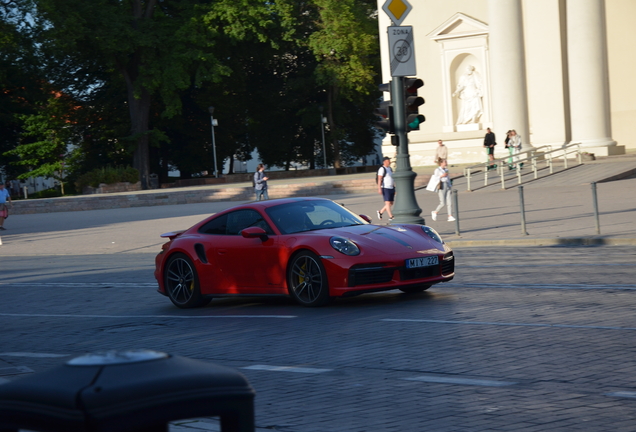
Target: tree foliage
137 77
21 81
52 134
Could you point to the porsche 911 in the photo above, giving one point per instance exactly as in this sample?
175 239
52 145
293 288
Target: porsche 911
311 249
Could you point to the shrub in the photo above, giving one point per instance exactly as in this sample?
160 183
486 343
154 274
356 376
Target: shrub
108 175
47 193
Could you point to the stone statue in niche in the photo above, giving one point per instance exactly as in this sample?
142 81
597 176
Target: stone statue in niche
469 91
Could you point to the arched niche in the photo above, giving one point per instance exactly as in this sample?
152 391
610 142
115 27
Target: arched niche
463 41
458 68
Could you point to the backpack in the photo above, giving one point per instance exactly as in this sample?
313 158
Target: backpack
383 174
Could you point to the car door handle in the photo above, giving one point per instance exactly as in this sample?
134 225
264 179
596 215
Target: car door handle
222 251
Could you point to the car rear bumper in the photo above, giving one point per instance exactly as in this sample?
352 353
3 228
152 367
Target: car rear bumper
158 266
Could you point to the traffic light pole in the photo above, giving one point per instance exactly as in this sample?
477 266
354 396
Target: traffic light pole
405 209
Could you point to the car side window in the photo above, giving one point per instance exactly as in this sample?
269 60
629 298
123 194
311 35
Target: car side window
232 223
239 220
216 226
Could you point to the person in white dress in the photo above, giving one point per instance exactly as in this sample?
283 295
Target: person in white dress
444 191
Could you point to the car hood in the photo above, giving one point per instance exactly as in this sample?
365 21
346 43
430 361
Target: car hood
376 239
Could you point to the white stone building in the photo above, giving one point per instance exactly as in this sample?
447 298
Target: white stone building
556 71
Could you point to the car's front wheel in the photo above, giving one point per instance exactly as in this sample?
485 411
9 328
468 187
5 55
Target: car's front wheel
415 289
182 282
307 280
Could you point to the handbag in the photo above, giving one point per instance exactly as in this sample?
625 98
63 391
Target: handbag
434 184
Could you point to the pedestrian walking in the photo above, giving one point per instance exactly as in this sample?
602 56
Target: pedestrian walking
444 191
5 197
441 152
515 143
510 149
260 183
386 187
489 145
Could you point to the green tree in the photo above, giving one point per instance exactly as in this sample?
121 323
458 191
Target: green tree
304 55
22 83
48 136
345 44
157 47
153 67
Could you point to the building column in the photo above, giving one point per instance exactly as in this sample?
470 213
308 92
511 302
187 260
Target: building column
587 73
508 69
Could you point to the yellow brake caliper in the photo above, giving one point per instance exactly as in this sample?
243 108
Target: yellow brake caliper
301 277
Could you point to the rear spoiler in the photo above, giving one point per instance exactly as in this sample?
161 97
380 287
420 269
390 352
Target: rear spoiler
172 234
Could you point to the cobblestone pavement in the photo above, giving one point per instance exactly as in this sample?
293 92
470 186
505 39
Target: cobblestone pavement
524 339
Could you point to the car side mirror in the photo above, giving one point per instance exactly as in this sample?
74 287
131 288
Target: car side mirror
254 232
366 218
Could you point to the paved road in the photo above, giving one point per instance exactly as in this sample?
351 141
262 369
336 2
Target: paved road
524 339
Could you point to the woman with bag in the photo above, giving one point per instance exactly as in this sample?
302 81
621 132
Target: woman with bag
510 149
515 144
444 191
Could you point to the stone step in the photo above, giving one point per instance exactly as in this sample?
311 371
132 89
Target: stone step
176 196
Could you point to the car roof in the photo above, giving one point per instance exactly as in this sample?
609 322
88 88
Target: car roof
279 201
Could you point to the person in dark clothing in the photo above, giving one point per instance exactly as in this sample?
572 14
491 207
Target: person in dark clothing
260 183
489 145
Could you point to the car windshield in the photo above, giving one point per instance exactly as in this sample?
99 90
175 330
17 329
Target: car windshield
311 215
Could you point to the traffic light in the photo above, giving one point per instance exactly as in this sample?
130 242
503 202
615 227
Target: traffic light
411 103
386 120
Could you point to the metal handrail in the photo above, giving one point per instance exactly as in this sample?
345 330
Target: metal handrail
484 165
546 152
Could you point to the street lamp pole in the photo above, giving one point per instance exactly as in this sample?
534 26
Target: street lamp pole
323 120
213 122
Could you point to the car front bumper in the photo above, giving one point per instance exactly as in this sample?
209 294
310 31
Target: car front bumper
346 280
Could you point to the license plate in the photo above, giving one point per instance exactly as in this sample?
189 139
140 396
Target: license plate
422 262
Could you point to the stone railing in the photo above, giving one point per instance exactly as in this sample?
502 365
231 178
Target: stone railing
174 196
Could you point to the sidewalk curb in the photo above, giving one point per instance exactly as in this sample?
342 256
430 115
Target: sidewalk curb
581 241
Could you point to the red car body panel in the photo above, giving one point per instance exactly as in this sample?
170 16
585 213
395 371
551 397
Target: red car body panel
235 265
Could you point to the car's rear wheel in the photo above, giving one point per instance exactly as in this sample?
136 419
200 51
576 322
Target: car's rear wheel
182 283
307 280
415 289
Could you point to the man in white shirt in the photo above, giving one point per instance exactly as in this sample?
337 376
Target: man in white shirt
386 187
441 152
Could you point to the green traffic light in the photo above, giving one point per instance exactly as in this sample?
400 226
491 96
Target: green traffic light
416 122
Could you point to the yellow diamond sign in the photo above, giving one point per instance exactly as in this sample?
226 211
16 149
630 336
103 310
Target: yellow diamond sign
397 10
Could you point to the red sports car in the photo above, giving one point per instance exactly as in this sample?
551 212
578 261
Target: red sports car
311 249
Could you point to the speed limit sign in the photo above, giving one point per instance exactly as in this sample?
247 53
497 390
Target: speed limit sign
402 51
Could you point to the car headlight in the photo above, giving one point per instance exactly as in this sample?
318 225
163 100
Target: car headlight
432 234
344 246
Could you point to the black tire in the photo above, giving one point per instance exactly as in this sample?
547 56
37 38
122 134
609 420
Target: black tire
415 289
181 282
307 280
